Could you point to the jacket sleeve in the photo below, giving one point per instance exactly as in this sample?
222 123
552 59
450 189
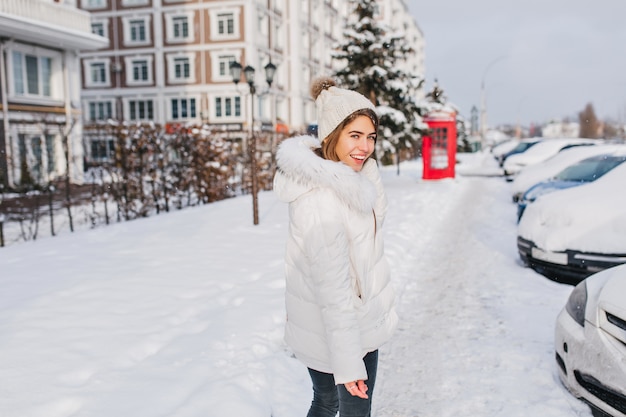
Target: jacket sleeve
371 172
327 247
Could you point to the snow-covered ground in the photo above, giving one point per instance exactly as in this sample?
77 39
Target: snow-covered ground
182 314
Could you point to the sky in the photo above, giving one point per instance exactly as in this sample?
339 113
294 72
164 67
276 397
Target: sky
182 314
539 60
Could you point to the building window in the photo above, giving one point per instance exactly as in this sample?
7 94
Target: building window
140 70
100 27
136 31
181 68
51 153
32 75
141 109
225 24
224 62
98 73
35 146
127 3
183 108
100 110
97 28
220 65
102 149
227 107
278 36
181 27
93 4
30 157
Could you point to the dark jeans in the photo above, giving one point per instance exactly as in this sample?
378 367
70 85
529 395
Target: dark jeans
329 398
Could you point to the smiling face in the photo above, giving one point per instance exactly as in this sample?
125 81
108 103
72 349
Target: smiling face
356 142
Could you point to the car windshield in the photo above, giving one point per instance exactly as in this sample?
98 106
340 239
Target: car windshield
590 169
522 146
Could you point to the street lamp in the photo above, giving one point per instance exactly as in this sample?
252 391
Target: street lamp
483 100
270 71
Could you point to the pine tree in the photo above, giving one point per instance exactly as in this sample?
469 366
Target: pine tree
371 53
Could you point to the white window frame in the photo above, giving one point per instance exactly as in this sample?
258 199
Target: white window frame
217 58
87 110
105 27
129 65
170 108
215 16
130 3
170 26
223 117
93 4
137 100
277 36
109 148
87 64
127 24
99 24
262 21
55 80
171 68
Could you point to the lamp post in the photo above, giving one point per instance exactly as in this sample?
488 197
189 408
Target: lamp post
483 101
270 71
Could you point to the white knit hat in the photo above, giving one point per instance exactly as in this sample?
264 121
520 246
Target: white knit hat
334 104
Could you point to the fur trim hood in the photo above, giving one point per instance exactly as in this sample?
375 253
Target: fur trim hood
301 170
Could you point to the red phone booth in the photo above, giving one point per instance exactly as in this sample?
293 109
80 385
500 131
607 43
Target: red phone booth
439 147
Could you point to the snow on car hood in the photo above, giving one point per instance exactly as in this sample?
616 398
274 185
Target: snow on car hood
589 218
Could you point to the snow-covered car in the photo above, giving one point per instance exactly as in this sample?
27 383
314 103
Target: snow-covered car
582 172
540 152
590 342
512 148
499 149
573 233
547 169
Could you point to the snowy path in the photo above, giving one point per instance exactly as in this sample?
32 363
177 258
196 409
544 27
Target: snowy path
461 347
182 315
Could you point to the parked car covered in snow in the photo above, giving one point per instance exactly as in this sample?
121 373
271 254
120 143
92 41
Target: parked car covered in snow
547 169
571 234
540 152
590 342
513 148
582 172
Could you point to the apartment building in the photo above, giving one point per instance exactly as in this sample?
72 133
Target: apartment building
395 14
168 61
40 42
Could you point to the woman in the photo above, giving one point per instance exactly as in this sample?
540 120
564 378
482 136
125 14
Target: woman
338 296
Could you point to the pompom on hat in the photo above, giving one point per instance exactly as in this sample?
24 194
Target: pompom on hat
334 104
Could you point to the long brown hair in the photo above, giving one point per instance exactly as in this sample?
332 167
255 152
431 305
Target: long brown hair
329 143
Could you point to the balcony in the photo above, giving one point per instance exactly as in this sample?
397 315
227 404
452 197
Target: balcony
50 24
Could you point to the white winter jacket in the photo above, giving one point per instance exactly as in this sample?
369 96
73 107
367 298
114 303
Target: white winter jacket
338 296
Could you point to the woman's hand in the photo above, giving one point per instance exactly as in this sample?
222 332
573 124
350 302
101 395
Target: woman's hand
357 388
